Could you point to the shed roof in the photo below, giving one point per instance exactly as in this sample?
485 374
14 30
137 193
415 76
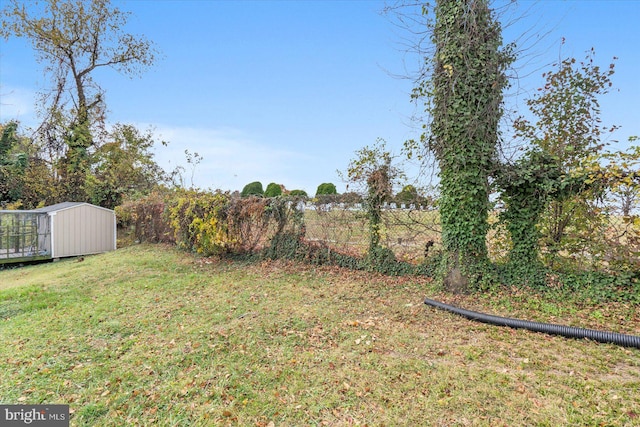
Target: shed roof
57 207
53 208
66 205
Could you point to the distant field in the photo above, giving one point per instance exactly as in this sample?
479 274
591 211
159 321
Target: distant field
406 232
148 335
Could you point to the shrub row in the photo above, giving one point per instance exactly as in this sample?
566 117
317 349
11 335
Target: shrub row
208 223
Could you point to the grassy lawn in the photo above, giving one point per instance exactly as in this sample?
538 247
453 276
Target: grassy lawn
148 335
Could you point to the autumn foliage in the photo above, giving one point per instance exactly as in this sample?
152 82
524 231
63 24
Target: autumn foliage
208 223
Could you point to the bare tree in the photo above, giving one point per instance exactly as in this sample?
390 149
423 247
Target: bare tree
74 38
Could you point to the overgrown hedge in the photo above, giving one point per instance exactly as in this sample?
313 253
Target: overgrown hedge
209 223
218 224
144 220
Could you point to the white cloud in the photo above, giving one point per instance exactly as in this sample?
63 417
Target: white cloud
231 158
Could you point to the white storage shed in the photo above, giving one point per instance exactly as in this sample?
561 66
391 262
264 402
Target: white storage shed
61 230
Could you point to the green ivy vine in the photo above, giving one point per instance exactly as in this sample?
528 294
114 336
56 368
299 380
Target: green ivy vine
464 99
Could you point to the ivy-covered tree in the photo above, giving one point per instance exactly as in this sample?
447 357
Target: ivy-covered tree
73 168
26 179
7 140
464 99
13 164
373 169
526 188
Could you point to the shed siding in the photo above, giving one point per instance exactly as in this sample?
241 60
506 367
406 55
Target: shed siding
82 230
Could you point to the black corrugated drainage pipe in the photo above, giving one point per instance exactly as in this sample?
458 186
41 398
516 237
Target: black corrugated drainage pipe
547 328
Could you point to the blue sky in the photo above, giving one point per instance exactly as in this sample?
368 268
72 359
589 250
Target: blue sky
287 91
